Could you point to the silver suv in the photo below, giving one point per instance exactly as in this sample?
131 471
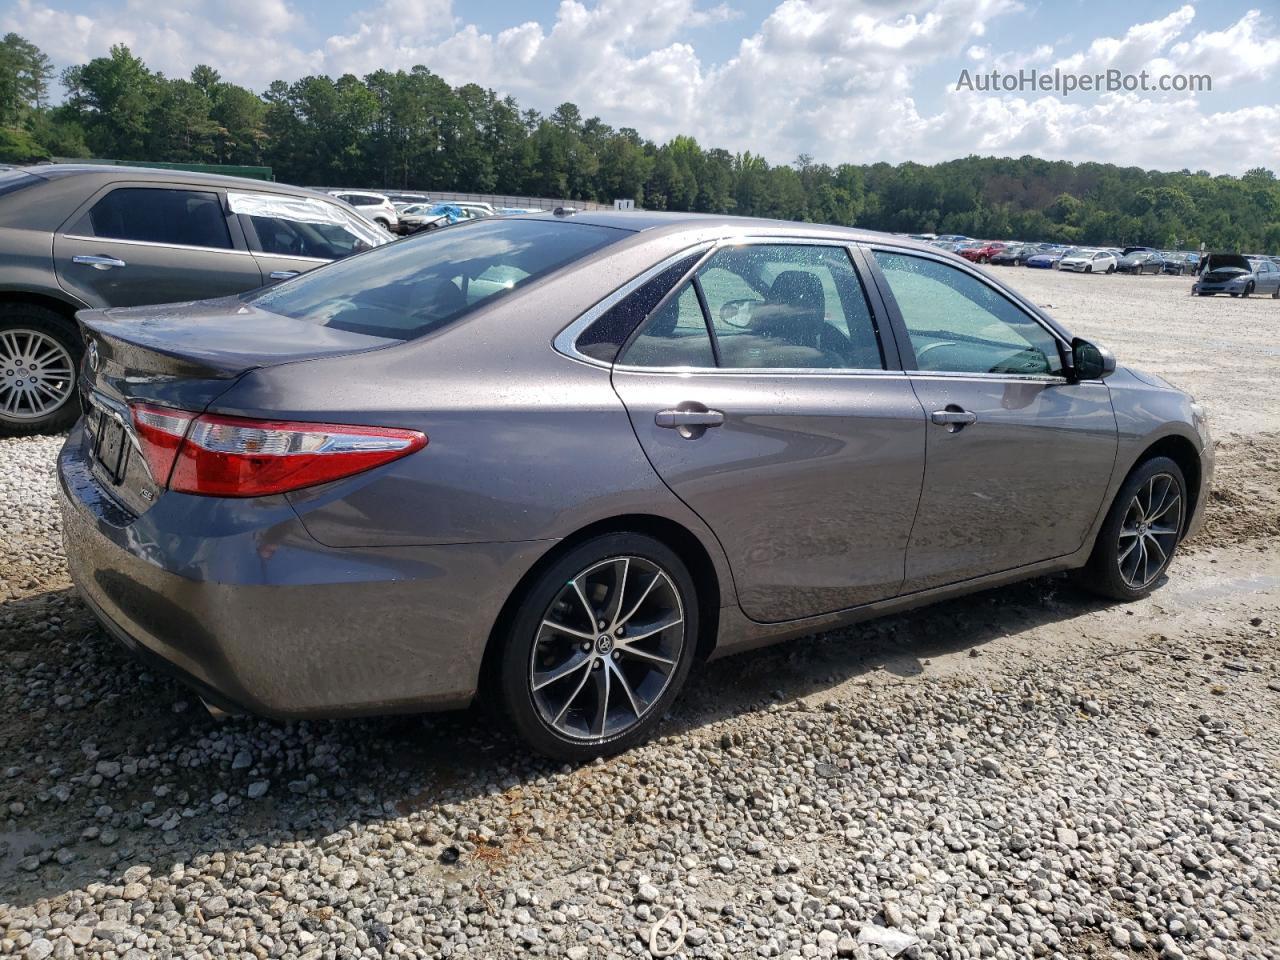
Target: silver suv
75 236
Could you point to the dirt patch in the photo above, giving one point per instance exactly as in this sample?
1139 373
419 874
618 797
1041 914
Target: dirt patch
1244 504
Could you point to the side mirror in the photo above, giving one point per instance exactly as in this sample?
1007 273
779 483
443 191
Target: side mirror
1090 361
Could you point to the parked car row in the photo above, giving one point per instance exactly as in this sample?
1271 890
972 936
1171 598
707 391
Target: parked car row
406 213
430 216
1238 275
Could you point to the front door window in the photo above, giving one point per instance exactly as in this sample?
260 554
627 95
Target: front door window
958 324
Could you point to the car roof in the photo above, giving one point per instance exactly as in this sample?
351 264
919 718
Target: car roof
105 171
666 221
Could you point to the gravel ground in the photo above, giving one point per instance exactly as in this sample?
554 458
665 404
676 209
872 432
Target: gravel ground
1027 772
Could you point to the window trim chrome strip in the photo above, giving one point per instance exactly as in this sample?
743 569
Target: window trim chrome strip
762 371
161 246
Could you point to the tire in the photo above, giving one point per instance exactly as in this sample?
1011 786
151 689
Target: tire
1248 290
29 332
560 718
1111 269
1088 268
1275 294
1148 489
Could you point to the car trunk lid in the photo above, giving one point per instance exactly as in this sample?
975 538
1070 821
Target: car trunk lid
180 355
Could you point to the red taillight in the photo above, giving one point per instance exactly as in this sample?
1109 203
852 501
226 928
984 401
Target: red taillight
238 457
160 431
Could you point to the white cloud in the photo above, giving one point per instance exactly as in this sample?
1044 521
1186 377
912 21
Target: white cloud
240 38
838 79
1130 53
1243 52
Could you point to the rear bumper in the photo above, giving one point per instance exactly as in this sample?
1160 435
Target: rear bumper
242 603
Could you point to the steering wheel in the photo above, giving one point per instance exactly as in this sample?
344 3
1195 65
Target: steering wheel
934 346
732 308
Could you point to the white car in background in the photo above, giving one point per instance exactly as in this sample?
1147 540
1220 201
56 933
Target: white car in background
1088 261
375 206
475 207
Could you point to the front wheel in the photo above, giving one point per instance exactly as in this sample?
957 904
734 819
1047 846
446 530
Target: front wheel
1248 289
1089 268
600 647
1140 534
39 354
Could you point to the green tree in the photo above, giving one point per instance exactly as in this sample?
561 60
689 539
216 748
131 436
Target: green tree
112 98
25 72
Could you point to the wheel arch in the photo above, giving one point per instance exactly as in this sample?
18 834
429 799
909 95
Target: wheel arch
1183 452
673 534
59 304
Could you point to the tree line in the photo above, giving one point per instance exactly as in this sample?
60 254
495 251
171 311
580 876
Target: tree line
409 129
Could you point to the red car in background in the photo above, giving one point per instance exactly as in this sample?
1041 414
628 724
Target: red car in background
981 252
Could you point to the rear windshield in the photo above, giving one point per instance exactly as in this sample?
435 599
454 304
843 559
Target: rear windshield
414 286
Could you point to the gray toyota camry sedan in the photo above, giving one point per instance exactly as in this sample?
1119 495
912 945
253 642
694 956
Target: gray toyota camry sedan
557 459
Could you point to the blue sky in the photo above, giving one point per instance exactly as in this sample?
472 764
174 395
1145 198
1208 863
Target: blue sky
858 80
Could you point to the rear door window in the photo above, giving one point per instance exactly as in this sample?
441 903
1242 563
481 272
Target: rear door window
790 306
190 218
675 335
291 226
779 306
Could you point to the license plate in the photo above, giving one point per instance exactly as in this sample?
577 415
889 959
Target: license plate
112 450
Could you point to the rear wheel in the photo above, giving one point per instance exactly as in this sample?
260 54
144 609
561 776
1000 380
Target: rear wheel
1140 534
39 355
1111 268
600 647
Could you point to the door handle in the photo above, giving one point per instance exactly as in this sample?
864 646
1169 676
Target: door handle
953 417
688 418
98 263
282 274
